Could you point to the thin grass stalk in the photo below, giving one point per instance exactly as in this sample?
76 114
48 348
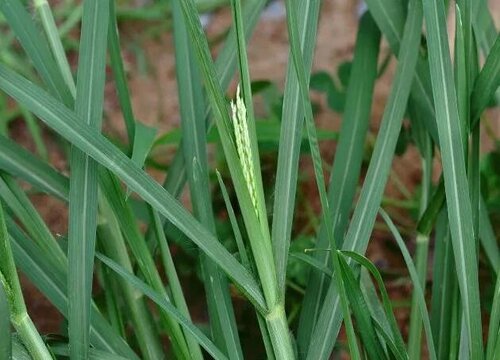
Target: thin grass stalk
36 134
424 144
21 206
415 279
18 313
120 78
51 281
117 199
290 139
459 207
342 188
222 319
175 286
363 219
83 181
492 347
113 244
165 305
443 284
260 241
50 27
5 333
318 171
277 326
110 307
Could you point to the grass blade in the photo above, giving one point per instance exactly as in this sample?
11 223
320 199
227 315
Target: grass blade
387 306
487 237
69 126
175 285
455 178
361 225
83 180
166 306
389 16
347 164
487 82
222 320
25 212
116 198
366 329
443 284
5 334
51 281
143 141
494 326
116 62
290 139
49 25
111 241
416 283
36 48
9 281
20 163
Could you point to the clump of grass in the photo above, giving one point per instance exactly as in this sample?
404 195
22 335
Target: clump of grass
444 102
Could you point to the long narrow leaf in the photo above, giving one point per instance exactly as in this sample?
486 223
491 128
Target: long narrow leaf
51 281
346 165
83 180
452 152
416 285
69 126
361 225
487 82
165 305
222 320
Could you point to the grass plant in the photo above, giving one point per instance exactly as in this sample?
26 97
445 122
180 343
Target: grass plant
123 225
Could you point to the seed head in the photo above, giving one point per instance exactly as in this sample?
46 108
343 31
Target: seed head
239 115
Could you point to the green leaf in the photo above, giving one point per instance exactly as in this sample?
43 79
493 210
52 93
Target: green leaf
494 326
116 198
416 283
165 305
51 281
290 137
116 63
70 127
363 219
192 106
361 313
487 82
387 306
346 165
390 17
5 334
36 48
20 163
455 178
144 137
83 180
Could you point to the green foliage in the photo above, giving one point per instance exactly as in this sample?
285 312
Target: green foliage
252 234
